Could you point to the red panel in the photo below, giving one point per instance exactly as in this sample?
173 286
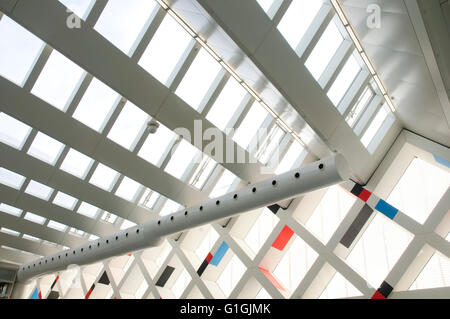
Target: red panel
365 194
88 294
283 238
209 257
378 295
57 277
272 279
40 295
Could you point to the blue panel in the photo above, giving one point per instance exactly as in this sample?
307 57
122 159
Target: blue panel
442 161
219 254
35 294
386 209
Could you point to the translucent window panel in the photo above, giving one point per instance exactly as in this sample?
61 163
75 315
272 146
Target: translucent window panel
155 146
127 224
9 231
104 177
93 237
331 210
32 238
123 22
165 49
419 189
88 210
180 285
374 127
339 287
379 248
250 125
80 7
170 207
344 80
181 159
77 232
13 132
45 148
291 269
223 184
289 159
149 198
360 106
203 171
263 294
297 20
231 275
76 163
324 50
208 241
19 49
10 178
58 81
57 226
198 79
39 190
128 189
64 200
10 210
129 126
109 218
226 104
96 106
436 273
35 218
269 146
261 230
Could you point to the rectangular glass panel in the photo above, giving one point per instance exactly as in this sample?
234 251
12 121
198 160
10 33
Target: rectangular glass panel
231 275
109 218
128 189
104 177
344 80
9 231
203 171
76 163
289 159
11 179
35 218
374 127
223 184
250 125
13 132
39 190
88 210
57 226
269 147
181 159
64 200
32 238
170 207
360 106
149 198
155 146
45 148
80 7
10 210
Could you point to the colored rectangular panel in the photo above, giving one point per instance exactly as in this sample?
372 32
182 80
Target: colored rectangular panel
219 254
356 226
209 257
442 161
357 189
165 276
365 194
104 279
272 279
35 294
385 289
202 268
54 283
386 209
53 295
90 292
283 238
274 208
378 295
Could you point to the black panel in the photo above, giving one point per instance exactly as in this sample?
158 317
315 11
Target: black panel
356 226
274 208
53 295
202 267
385 289
357 189
104 279
53 284
165 276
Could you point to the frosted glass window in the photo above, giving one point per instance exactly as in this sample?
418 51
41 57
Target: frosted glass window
226 104
127 224
96 106
378 249
374 127
128 189
80 7
64 200
203 171
13 132
250 125
419 189
104 177
261 230
231 275
88 210
10 210
182 282
57 226
170 207
344 80
289 159
35 218
339 287
123 22
45 148
360 106
181 159
223 184
165 49
58 81
19 49
11 179
155 146
76 163
207 242
331 210
39 190
297 20
435 274
129 126
9 231
198 79
324 50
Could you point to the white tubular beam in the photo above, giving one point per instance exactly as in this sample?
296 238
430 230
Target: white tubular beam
329 171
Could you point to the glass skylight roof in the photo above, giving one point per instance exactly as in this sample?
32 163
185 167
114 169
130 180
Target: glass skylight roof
360 106
149 198
223 184
128 189
80 7
45 148
156 145
88 210
374 126
127 224
76 163
231 275
19 49
170 207
261 230
13 132
58 81
250 125
265 4
129 126
39 190
165 49
35 218
289 159
203 171
181 159
104 177
32 238
10 178
96 106
9 231
10 210
344 80
64 200
269 146
123 22
57 226
198 79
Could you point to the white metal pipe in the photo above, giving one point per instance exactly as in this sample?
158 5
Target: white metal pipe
320 174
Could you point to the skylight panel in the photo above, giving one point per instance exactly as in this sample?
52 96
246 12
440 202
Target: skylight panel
181 159
198 79
269 146
129 126
127 224
58 81
128 189
57 226
165 49
226 104
108 217
149 198
64 200
231 275
39 190
10 210
261 230
35 218
104 177
76 163
80 7
324 50
96 106
265 4
360 106
124 22
223 184
203 171
263 294
20 50
290 158
13 132
156 145
45 148
339 287
250 125
436 273
32 238
207 242
344 80
374 127
77 232
170 207
9 231
11 179
297 20
182 282
88 210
